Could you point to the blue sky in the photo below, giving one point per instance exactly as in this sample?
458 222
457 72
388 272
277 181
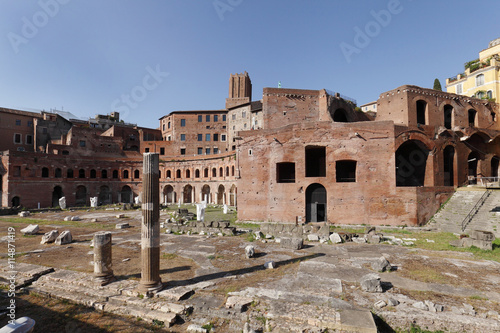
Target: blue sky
166 55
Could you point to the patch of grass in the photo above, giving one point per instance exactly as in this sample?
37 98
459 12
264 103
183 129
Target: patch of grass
477 297
250 237
247 225
169 256
208 326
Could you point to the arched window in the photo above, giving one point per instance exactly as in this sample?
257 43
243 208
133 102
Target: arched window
448 165
214 172
70 173
188 173
232 171
58 173
45 172
169 174
221 172
81 173
136 174
489 94
197 173
104 174
479 80
93 173
178 173
227 171
115 174
125 174
411 160
340 116
205 173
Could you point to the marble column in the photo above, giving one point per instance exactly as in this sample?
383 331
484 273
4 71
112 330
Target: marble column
150 229
103 272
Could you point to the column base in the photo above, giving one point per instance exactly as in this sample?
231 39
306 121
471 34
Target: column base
150 287
104 280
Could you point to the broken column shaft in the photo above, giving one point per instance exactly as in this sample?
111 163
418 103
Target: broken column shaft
103 273
150 229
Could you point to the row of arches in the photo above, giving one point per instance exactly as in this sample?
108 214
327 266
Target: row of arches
126 174
200 173
412 160
449 120
188 194
104 195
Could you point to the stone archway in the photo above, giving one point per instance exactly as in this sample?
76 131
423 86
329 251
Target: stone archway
105 196
169 194
188 194
57 194
221 195
81 196
315 203
126 194
205 191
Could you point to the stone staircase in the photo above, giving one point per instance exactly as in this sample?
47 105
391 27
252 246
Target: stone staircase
451 215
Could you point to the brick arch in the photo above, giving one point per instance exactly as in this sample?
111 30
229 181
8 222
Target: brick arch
414 135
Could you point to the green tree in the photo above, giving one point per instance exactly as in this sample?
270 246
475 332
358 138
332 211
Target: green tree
437 85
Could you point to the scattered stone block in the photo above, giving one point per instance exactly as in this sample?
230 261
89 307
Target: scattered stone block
359 240
238 303
49 237
335 238
430 305
64 238
421 306
168 231
196 329
392 302
62 202
482 235
371 283
313 238
439 307
32 229
24 213
120 216
381 265
492 314
380 304
374 239
249 251
122 226
93 202
75 218
468 310
270 265
291 243
94 220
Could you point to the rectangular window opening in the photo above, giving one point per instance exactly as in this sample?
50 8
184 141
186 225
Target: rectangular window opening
315 161
345 171
285 172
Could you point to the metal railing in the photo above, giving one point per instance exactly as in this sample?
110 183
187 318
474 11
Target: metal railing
475 209
484 181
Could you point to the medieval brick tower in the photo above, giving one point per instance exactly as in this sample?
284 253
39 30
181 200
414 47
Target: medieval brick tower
240 90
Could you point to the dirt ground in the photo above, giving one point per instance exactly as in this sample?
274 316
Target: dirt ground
452 279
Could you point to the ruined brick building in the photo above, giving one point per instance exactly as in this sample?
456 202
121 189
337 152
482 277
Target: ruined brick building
294 155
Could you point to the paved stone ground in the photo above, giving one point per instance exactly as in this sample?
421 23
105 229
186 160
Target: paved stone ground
310 290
